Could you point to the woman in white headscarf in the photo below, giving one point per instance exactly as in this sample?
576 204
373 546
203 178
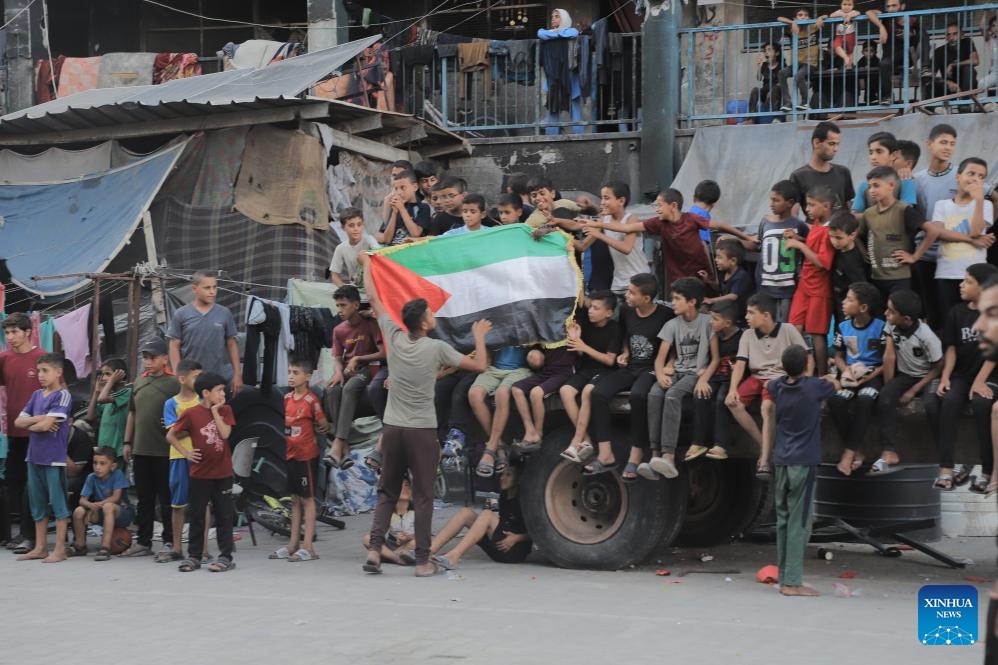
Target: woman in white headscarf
561 28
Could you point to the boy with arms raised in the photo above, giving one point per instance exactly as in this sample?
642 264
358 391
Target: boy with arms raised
758 361
688 335
104 501
46 417
303 417
797 454
209 425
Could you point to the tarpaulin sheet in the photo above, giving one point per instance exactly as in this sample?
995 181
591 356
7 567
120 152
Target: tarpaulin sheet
747 160
76 226
54 164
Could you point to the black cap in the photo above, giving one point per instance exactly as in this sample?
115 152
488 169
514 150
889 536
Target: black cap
154 347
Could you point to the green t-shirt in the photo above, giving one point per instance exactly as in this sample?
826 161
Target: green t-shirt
113 416
148 397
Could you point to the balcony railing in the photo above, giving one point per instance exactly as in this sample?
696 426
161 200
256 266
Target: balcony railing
726 79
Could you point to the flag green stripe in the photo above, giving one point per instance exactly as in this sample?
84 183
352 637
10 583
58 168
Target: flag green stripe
468 251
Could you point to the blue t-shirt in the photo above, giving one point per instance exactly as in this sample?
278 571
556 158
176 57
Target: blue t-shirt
908 194
96 489
49 448
697 210
510 357
798 419
865 345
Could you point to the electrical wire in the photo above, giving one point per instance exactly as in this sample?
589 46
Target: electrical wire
217 20
14 17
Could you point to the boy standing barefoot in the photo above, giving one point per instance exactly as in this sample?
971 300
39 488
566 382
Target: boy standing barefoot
797 455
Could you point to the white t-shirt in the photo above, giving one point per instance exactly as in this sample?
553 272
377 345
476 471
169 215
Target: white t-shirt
625 266
344 261
956 257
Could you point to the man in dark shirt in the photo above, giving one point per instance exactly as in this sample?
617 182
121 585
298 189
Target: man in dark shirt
819 170
892 40
953 65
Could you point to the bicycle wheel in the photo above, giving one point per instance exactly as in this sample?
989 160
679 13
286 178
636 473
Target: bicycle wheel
273 521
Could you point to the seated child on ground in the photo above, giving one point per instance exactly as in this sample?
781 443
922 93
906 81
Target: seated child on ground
104 501
401 531
502 536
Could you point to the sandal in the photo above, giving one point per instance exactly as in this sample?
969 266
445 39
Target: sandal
436 570
646 472
406 558
763 472
664 467
373 461
77 550
486 469
23 547
944 483
103 554
221 565
279 553
502 461
169 556
597 467
979 485
189 565
694 452
372 566
961 476
572 455
630 473
303 555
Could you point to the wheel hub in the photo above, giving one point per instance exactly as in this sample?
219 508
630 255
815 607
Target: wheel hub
585 509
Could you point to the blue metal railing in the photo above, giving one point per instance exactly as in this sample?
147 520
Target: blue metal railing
509 97
725 80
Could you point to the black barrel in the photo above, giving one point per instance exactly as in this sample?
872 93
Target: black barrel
876 501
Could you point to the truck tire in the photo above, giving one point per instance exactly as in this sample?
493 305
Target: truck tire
596 522
725 498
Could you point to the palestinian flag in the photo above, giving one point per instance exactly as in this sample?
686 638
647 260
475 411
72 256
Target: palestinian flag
526 287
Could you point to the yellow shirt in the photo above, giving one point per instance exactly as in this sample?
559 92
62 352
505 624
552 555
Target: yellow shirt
171 412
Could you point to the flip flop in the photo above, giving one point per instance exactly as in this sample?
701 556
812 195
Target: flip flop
695 452
502 460
961 476
103 554
221 565
169 556
279 553
630 468
527 447
979 485
330 460
406 558
302 555
189 565
443 562
437 569
75 550
882 468
136 551
597 467
486 469
372 567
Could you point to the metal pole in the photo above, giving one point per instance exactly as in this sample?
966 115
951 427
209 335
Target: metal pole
660 66
95 332
134 292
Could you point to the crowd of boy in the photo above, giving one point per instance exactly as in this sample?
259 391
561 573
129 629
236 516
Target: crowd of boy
864 264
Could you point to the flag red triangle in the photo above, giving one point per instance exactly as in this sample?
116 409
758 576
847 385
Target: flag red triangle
397 285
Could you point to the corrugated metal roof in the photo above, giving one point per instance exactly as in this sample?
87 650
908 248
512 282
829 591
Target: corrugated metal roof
275 86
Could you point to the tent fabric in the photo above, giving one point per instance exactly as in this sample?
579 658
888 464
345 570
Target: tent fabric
54 164
282 179
742 158
76 226
257 258
122 70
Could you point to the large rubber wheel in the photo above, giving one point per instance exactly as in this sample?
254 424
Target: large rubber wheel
725 498
599 522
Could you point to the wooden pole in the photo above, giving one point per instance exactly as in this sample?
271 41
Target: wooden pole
95 332
134 293
158 298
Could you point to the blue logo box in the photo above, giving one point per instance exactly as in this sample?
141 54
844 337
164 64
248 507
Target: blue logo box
947 615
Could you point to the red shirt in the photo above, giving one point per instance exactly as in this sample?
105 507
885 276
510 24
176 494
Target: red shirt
300 416
359 340
683 251
814 281
19 374
216 457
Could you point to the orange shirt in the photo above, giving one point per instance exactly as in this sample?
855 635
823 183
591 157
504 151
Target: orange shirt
300 416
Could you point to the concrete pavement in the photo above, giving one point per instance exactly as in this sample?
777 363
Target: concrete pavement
134 610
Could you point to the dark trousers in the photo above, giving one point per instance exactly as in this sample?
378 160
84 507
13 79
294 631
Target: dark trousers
947 295
451 401
944 416
219 492
887 408
377 394
851 408
152 484
963 75
711 418
923 281
417 451
17 488
639 382
270 331
991 634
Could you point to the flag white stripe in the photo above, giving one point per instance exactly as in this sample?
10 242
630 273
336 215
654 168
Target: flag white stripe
505 282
